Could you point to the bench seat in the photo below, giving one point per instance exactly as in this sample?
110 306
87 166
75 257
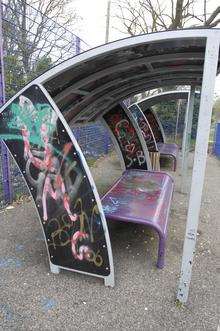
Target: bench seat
170 150
143 197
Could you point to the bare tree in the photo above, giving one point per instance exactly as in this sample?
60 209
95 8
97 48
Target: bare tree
38 29
145 16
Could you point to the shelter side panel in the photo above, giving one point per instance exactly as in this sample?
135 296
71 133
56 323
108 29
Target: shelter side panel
145 128
158 135
55 175
125 133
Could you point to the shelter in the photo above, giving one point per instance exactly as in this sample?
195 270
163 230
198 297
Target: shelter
36 123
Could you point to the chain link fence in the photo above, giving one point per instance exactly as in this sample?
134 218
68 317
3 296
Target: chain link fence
32 44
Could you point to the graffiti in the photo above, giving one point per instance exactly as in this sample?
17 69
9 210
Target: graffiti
58 183
19 248
10 262
140 157
114 203
145 128
152 120
61 235
6 313
96 258
138 191
41 127
48 304
191 234
83 251
127 137
65 234
137 183
108 209
50 180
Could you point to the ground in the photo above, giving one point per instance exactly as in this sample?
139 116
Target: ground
31 298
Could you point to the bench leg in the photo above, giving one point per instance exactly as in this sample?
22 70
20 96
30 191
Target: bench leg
174 162
54 268
161 252
109 281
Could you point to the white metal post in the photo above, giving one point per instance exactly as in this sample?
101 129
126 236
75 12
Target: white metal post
177 119
107 21
205 112
185 130
187 139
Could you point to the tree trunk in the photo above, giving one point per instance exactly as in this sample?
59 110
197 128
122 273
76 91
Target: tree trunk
24 39
178 19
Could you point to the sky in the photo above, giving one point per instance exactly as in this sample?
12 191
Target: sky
93 25
93 13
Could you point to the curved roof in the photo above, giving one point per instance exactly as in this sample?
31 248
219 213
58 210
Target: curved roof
87 85
165 96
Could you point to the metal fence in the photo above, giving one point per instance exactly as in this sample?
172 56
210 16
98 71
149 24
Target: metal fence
32 43
94 140
24 59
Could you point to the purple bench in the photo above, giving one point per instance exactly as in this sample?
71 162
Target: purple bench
169 150
143 197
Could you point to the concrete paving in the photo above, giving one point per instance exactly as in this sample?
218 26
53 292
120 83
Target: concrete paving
31 298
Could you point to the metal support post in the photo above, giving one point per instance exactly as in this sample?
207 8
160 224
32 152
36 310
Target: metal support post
106 142
78 45
204 123
107 21
7 190
187 124
177 119
187 139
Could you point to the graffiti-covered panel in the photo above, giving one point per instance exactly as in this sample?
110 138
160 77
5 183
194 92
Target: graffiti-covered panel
54 172
127 138
145 128
154 124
